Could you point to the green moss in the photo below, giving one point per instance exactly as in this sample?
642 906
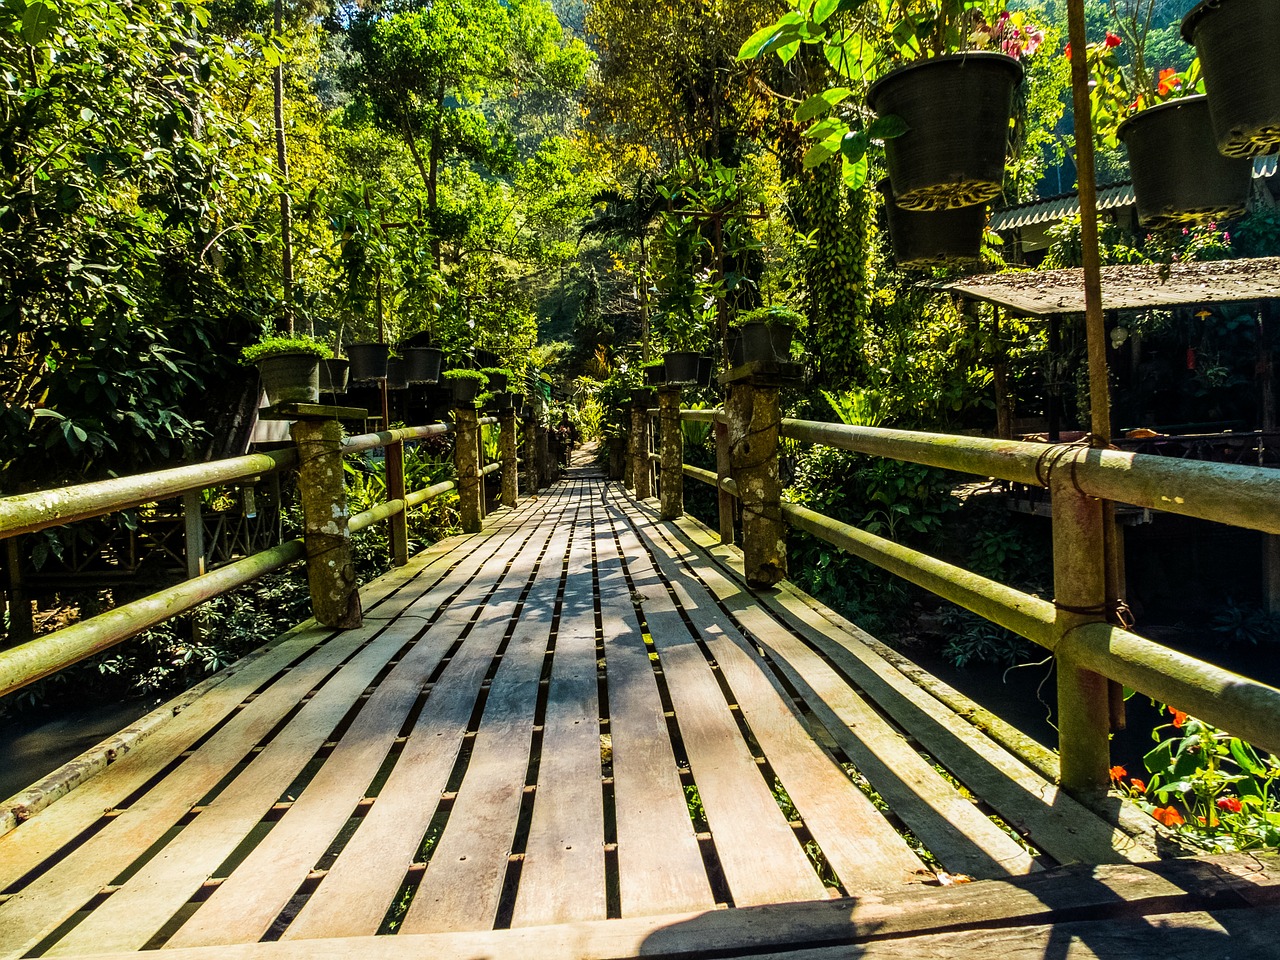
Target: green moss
278 346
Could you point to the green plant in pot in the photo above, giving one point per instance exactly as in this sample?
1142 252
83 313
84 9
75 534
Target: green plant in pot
466 385
289 367
683 332
942 79
654 372
499 377
1162 118
767 332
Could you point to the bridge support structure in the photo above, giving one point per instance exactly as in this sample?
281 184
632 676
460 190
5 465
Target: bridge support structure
671 463
751 409
466 461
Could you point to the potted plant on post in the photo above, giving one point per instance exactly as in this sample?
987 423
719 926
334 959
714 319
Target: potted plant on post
654 372
498 377
289 367
767 333
466 385
1235 41
1162 118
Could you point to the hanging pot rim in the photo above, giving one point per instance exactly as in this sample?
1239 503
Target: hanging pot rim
946 59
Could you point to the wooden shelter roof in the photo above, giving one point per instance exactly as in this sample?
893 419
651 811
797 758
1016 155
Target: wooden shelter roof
1127 286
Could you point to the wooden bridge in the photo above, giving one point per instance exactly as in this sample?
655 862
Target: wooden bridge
577 732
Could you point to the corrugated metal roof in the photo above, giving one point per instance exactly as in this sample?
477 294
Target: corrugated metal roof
1127 287
1110 197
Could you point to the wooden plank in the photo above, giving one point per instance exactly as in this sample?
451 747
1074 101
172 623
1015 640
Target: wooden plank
660 868
563 875
361 885
951 827
758 851
1110 892
863 849
1054 822
464 880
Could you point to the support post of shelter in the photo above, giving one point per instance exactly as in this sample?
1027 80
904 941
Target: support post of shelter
1080 592
754 422
331 572
510 462
466 461
672 454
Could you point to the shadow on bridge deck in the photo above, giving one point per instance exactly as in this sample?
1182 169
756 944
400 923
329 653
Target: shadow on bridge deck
577 734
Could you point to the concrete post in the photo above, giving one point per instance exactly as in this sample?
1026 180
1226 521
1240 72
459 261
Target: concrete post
510 462
724 499
532 480
752 412
331 572
672 463
466 434
629 472
1080 594
641 465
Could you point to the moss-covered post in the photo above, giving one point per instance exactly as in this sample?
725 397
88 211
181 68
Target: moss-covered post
532 480
331 572
641 465
672 454
510 462
753 420
466 461
724 499
1080 594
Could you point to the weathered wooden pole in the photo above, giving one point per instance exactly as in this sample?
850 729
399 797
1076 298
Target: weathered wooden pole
641 465
752 411
532 480
480 465
672 453
1080 595
331 572
724 499
510 461
466 460
393 454
21 624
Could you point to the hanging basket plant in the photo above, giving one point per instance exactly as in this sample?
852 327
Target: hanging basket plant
922 239
1237 42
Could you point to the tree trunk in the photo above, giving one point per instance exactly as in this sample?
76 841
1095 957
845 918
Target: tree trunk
285 322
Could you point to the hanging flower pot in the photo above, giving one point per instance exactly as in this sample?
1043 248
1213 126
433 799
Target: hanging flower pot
706 370
933 238
368 361
956 109
680 366
1237 41
1179 177
333 375
397 374
422 364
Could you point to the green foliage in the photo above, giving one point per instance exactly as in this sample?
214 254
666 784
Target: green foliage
461 374
1243 624
277 346
771 315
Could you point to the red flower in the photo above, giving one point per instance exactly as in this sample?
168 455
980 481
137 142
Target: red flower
1230 804
1168 816
1179 718
1119 773
1112 40
1138 785
1067 52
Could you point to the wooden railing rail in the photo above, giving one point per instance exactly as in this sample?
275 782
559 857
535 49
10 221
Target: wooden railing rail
1241 496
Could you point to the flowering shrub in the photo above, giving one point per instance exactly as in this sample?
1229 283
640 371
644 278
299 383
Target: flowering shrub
1211 787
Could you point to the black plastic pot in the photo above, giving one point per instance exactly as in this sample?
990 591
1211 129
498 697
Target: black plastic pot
681 366
706 370
368 361
397 374
644 399
497 381
333 375
733 344
1237 41
290 378
486 358
933 238
465 390
422 364
957 110
655 376
1179 177
766 342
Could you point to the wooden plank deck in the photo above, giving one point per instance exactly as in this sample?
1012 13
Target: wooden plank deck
577 734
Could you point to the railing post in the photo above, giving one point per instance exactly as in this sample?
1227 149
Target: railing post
21 623
510 464
331 572
724 499
466 460
672 453
480 465
754 422
1080 595
531 454
393 456
641 466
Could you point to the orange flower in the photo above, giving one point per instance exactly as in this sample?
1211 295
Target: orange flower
1168 816
1138 785
1169 80
1179 718
1230 804
1119 773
